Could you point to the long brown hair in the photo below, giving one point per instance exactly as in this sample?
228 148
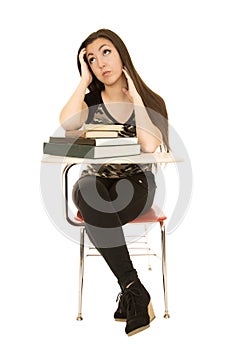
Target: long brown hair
155 105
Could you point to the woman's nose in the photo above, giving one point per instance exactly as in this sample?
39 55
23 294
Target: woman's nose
101 62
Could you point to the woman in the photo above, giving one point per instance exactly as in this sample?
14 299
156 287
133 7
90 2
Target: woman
110 195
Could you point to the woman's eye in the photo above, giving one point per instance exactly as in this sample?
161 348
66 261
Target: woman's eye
106 52
92 60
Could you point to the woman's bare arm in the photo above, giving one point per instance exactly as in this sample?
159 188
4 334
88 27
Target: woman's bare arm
149 136
75 111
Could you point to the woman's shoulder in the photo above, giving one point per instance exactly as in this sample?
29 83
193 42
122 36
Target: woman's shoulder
93 98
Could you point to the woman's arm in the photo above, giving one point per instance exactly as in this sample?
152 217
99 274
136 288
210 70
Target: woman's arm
149 136
75 111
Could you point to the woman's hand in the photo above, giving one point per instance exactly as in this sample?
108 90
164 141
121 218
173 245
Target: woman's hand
85 72
131 91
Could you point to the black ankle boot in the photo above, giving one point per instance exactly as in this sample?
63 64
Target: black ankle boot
135 304
120 314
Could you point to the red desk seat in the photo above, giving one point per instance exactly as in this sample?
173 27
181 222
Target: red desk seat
149 216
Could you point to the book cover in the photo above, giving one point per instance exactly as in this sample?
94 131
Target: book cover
95 141
88 151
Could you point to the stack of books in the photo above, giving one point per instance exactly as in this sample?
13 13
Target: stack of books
94 141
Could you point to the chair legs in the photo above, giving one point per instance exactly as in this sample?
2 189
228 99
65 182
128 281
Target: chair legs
164 271
81 273
164 268
148 249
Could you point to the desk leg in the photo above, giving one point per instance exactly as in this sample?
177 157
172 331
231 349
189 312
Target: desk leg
81 273
65 192
82 232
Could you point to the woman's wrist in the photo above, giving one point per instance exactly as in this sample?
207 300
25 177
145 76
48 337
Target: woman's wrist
81 89
83 84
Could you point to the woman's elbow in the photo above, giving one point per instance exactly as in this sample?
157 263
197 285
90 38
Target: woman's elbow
150 147
70 123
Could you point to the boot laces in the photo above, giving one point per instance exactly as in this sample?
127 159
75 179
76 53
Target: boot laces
127 300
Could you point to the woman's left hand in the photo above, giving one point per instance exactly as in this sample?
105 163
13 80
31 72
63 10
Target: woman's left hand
131 91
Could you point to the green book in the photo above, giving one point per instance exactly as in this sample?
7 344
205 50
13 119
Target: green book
95 141
89 151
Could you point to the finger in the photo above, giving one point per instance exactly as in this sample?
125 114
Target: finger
82 53
128 77
125 71
125 90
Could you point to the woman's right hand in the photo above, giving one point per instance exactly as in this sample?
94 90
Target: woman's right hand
85 72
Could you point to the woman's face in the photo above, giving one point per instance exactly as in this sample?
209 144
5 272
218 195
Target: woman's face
104 60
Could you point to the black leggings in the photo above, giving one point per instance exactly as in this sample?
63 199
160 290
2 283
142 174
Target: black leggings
106 204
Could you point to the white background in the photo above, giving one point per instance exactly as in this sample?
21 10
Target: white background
183 51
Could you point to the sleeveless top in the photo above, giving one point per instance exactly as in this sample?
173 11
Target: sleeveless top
98 114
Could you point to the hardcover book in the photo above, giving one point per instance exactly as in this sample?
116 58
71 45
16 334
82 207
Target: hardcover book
95 141
89 151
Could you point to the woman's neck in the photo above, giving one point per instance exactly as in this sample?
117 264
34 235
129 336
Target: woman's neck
114 93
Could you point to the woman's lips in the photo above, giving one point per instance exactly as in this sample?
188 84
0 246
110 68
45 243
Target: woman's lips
107 72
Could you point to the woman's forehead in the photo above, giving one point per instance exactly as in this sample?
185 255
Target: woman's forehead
97 44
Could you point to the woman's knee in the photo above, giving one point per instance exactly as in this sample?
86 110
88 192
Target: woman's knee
88 188
80 186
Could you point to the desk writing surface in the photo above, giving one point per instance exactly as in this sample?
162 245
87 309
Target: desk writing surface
156 157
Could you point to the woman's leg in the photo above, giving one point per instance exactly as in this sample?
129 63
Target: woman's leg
103 212
106 205
103 225
144 187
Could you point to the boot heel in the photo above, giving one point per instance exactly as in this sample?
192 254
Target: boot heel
151 311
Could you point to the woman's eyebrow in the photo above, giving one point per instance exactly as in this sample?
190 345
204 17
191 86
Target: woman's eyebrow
102 46
91 54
